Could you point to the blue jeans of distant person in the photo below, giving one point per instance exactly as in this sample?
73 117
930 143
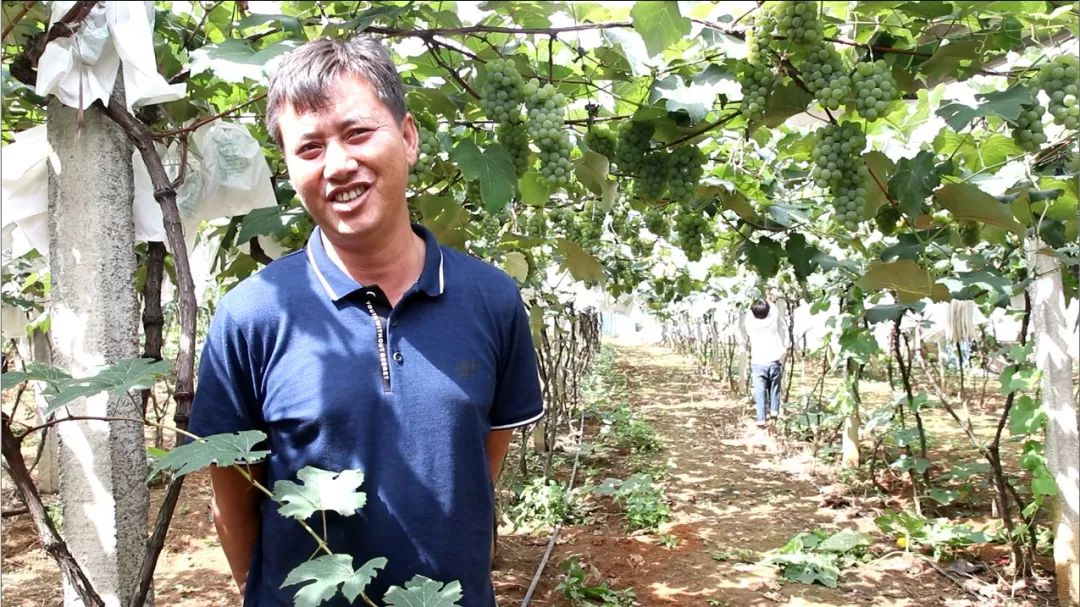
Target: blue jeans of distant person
765 384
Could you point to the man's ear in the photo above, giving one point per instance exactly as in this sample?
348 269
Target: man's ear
411 137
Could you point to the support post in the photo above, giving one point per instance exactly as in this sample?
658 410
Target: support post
1052 334
94 322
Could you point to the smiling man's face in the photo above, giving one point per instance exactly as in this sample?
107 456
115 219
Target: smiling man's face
349 161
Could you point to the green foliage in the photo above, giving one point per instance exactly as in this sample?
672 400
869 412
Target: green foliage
583 585
940 536
543 504
326 573
423 592
221 450
629 432
117 379
643 501
818 556
320 491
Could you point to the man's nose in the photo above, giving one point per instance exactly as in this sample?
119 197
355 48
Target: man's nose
338 162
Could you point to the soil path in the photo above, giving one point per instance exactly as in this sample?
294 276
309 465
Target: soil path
735 496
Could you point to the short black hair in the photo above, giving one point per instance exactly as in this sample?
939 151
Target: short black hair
305 75
760 308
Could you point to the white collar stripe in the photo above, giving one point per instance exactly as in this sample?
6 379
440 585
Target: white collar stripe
441 281
319 274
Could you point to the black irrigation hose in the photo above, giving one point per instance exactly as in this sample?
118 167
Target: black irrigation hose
558 526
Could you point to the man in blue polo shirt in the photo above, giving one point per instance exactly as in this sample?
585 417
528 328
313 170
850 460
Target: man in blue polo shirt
373 348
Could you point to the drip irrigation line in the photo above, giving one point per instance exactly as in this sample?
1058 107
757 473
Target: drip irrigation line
558 526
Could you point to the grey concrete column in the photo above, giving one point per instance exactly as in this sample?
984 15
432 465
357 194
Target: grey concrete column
1052 334
94 322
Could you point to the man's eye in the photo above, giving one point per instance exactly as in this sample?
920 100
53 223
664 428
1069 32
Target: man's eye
306 148
357 132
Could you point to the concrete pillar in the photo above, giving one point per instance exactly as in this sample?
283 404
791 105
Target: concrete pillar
94 322
1051 331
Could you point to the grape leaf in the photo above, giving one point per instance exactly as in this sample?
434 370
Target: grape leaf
269 221
696 99
321 490
784 102
117 378
801 255
999 103
423 592
328 572
582 265
492 168
889 312
910 280
515 264
660 24
966 201
764 255
234 60
914 180
592 170
220 449
1026 416
35 371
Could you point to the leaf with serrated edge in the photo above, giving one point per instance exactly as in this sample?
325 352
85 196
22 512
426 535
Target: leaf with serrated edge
515 264
582 265
35 371
321 490
660 24
423 592
327 573
117 378
220 449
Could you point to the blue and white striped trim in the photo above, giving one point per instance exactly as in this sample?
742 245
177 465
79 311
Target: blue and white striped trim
521 423
319 274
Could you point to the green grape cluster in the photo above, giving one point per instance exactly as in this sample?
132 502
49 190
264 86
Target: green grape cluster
1027 129
633 144
560 218
874 89
826 77
547 111
796 21
621 279
490 225
515 138
691 228
685 166
427 154
656 221
536 224
840 169
757 83
651 180
584 227
601 140
501 92
1058 79
759 37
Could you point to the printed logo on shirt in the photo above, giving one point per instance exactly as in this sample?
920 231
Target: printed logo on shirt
466 367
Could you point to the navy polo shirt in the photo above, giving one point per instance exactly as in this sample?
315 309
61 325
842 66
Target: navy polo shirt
339 380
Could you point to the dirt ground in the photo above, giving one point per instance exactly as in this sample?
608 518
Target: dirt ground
731 489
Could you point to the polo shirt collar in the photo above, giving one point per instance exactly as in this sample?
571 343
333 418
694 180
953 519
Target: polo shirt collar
339 285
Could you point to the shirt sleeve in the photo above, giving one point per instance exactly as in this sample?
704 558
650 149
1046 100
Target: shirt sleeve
225 396
517 394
